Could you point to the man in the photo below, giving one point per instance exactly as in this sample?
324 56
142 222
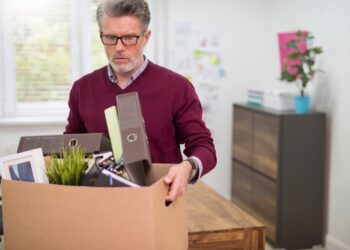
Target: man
170 106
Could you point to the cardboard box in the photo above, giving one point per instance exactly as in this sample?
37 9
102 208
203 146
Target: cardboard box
47 216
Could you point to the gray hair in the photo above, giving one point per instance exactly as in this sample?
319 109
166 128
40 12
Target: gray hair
119 8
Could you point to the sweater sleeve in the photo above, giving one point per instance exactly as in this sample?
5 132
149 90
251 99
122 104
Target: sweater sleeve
75 123
191 129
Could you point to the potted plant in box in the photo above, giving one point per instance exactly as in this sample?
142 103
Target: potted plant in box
68 168
299 67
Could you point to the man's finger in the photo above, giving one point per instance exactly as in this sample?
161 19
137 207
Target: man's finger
168 179
174 188
172 193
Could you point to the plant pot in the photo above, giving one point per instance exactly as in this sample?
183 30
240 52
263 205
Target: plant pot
302 104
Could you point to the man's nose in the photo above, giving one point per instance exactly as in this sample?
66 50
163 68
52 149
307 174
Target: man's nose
119 45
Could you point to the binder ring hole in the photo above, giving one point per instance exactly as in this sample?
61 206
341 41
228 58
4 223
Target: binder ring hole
132 137
73 143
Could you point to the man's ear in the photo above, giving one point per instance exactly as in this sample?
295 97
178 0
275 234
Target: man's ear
147 36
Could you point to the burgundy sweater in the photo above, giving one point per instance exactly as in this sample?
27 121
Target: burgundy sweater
170 106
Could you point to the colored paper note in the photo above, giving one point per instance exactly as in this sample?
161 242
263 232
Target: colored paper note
198 54
215 60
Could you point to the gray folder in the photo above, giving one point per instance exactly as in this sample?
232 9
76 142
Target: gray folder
137 157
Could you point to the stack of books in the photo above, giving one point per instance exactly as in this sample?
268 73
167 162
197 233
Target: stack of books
255 97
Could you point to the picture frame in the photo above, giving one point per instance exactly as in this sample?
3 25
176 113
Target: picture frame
25 166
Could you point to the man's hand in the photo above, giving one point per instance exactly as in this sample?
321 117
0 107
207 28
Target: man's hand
177 178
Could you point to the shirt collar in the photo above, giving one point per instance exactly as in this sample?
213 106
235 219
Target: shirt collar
133 77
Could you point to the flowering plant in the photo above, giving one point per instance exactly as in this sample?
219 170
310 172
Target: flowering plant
304 58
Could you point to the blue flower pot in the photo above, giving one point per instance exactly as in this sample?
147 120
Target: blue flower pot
302 104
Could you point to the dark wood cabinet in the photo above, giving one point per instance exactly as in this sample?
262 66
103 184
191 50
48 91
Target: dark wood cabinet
278 173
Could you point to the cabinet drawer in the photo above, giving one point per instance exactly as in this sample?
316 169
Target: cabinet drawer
242 135
241 184
264 201
265 148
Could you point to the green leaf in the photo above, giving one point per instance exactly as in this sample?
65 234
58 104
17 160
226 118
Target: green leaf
299 33
294 56
310 62
292 44
317 50
307 53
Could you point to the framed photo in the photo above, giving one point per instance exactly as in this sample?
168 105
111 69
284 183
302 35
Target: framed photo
24 166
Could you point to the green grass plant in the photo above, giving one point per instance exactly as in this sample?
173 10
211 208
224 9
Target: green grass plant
68 169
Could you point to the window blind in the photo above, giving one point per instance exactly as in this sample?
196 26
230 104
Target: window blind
42 50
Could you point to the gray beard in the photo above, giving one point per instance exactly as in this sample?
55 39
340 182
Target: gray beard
128 67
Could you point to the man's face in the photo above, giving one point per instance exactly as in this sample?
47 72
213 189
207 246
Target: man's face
124 59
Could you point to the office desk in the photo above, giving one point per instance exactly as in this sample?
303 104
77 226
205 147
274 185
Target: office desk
216 223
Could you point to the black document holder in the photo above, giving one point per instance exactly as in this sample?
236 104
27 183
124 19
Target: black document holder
137 158
91 143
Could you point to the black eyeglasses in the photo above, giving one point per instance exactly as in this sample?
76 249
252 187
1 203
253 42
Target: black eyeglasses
127 40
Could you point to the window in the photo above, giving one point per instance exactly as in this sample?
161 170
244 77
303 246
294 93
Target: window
44 47
41 50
